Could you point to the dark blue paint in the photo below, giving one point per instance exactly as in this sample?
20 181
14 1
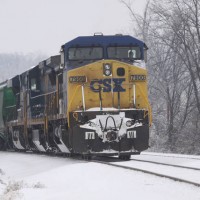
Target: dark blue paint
106 85
118 85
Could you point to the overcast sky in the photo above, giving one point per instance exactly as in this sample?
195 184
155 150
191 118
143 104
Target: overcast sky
44 25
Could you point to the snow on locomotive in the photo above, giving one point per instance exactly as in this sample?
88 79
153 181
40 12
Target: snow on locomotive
92 99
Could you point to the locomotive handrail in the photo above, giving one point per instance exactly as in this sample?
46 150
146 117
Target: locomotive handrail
148 105
11 106
43 94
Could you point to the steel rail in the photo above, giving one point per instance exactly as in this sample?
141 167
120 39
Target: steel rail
149 172
170 156
165 164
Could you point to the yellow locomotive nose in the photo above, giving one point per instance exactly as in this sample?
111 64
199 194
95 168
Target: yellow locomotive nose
110 83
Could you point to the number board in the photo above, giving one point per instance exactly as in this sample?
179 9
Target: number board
137 77
77 79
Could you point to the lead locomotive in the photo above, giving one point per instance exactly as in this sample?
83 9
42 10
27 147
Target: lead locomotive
91 99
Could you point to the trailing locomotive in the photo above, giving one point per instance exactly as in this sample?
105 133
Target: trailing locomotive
92 99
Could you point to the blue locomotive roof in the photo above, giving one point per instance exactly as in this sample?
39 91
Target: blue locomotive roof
101 40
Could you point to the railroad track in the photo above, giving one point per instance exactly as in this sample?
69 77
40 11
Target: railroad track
172 156
165 164
111 161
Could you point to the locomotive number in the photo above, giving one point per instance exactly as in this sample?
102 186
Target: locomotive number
77 79
138 78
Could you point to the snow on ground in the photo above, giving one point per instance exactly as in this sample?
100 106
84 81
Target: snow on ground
31 177
186 174
175 159
171 155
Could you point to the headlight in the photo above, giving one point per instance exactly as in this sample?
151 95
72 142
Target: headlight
107 66
111 136
107 69
107 72
129 123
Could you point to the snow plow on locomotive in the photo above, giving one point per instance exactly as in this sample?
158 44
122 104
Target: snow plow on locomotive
92 99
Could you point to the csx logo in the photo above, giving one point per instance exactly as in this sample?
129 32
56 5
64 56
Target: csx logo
105 84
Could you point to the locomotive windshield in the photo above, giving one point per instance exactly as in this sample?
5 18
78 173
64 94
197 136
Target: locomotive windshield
85 53
124 52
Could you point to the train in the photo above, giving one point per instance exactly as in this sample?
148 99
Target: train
90 100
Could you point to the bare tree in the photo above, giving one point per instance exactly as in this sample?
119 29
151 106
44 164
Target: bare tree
182 19
142 22
171 30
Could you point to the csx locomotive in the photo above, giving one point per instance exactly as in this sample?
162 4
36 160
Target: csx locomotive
91 99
